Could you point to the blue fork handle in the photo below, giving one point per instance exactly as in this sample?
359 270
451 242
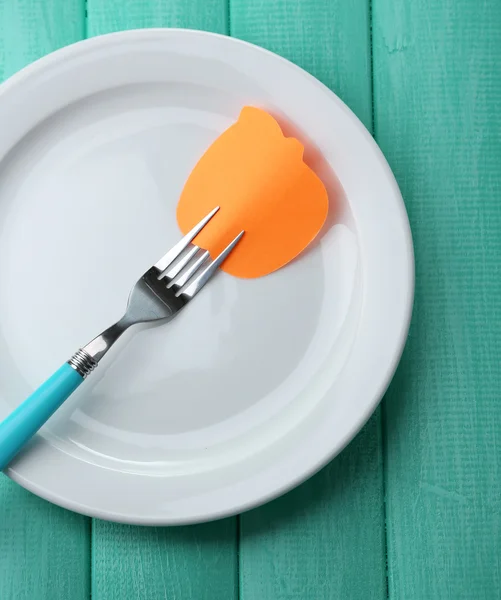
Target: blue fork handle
22 424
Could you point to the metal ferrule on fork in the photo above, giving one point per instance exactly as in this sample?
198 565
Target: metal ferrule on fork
82 362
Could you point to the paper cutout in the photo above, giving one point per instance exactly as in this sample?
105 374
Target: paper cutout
259 180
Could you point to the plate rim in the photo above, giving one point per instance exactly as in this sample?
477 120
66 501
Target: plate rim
93 44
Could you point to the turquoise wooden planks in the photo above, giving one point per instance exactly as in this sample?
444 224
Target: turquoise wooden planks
143 563
192 563
328 38
325 539
44 550
115 15
437 86
30 29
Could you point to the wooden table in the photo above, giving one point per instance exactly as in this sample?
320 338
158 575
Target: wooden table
412 509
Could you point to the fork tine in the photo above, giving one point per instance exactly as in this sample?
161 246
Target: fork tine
179 266
185 277
176 250
198 282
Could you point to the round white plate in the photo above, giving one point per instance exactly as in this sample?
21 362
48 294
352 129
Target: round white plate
258 383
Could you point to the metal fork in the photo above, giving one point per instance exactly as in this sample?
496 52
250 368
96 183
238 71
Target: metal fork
159 294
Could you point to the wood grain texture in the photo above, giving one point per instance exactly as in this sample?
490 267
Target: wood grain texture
188 563
30 28
437 84
324 540
185 563
105 16
330 39
44 550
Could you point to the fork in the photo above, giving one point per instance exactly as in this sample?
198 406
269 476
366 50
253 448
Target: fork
159 294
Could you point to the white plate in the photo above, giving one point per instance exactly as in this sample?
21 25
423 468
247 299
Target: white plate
258 383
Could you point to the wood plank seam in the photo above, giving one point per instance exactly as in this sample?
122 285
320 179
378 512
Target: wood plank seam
371 51
382 409
382 412
85 19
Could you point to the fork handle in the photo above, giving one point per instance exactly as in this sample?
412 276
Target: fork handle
24 421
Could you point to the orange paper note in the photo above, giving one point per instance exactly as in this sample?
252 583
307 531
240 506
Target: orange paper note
259 180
